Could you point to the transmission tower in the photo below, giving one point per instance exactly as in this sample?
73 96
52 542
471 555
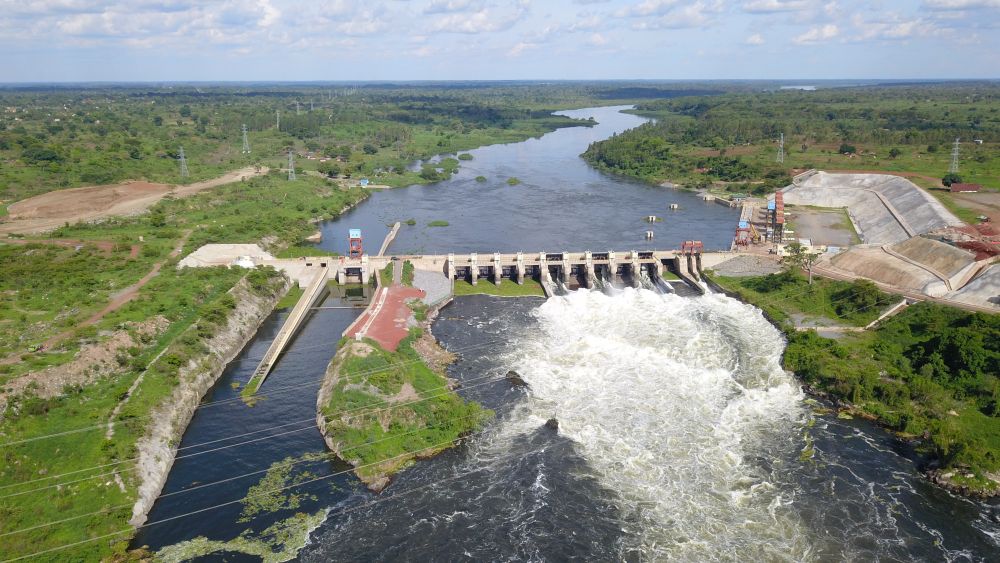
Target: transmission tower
953 168
246 142
277 122
184 163
291 165
311 105
781 149
297 112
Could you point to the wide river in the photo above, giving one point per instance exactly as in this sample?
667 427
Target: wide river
680 436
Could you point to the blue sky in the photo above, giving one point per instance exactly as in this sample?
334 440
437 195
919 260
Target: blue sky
153 40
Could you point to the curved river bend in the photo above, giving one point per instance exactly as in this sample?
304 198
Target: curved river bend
680 436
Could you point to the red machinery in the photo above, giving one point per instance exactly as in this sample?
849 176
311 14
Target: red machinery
354 245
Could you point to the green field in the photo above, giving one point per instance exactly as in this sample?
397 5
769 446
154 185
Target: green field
729 141
507 288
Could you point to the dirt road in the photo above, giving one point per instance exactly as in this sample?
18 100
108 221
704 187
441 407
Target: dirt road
117 301
51 210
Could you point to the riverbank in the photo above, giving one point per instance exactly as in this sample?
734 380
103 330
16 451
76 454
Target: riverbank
926 375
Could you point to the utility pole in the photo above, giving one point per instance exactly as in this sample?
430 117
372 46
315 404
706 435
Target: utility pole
311 106
277 123
781 149
297 112
246 142
184 163
291 164
953 168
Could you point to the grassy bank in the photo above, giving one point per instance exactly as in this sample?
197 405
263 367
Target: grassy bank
386 409
508 288
930 374
93 461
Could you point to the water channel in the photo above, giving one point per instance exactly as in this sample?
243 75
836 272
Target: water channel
680 436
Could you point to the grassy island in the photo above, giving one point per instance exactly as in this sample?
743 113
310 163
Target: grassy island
929 374
384 409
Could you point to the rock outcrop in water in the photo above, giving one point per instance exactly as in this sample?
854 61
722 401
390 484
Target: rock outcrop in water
156 450
515 379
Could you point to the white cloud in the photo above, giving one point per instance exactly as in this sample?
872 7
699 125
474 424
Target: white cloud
483 21
754 39
586 24
597 40
446 6
818 35
772 6
961 4
697 14
519 49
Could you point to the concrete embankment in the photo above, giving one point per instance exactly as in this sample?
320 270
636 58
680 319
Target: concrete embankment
157 449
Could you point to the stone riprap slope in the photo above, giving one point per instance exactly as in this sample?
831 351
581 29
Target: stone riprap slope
940 257
984 290
885 209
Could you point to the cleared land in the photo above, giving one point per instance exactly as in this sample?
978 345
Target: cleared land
54 209
823 226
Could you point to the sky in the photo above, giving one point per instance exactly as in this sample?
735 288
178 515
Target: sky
353 40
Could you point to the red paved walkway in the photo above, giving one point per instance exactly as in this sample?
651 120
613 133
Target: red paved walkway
390 312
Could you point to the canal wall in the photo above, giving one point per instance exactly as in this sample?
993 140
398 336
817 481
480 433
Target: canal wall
158 448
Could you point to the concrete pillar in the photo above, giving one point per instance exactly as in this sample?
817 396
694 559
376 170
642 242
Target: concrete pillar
365 269
519 264
473 268
658 268
497 268
612 266
690 265
543 266
566 269
697 257
634 261
341 275
588 259
449 267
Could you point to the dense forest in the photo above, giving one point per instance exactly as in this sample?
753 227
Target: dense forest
905 127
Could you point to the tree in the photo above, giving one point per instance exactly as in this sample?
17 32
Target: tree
798 258
847 149
369 148
158 120
950 179
185 111
894 152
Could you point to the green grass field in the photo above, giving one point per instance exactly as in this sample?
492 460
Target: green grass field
507 288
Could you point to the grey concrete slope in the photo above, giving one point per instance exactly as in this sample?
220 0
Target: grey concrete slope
885 209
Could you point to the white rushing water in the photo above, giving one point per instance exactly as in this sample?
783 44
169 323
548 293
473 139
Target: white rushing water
682 408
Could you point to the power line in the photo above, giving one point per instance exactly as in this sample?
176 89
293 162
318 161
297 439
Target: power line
271 391
230 479
246 142
183 162
953 167
228 503
310 420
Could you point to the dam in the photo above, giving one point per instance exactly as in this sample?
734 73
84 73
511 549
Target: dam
557 272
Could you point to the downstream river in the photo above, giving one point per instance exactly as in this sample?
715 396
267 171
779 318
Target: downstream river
680 436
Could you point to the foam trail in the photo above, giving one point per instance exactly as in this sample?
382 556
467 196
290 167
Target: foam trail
671 400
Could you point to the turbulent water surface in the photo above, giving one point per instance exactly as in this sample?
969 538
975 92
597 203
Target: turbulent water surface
679 435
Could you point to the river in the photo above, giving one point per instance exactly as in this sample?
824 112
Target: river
679 436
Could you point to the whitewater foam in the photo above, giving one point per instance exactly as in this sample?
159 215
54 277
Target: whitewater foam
674 401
